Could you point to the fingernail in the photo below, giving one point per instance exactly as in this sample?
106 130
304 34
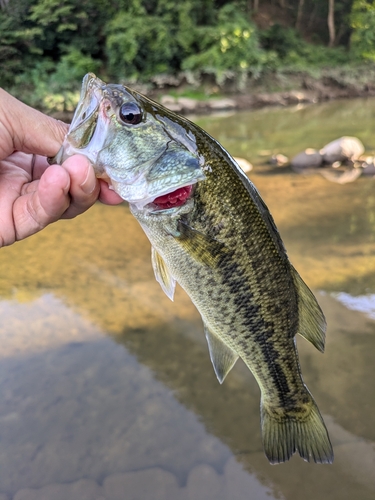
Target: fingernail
89 184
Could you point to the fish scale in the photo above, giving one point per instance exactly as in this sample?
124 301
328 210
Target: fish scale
220 244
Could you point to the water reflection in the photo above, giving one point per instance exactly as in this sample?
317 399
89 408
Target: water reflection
76 406
259 134
362 303
106 387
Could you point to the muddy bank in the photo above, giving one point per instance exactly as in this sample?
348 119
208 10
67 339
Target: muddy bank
319 92
298 89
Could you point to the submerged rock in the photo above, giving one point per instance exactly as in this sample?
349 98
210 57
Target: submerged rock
369 170
310 158
279 160
244 164
344 148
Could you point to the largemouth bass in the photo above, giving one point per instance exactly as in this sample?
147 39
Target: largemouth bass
212 233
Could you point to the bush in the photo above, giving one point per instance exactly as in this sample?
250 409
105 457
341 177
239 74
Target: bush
313 56
279 39
15 40
136 53
295 52
362 20
231 48
140 43
70 70
51 86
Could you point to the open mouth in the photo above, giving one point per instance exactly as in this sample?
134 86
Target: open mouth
174 199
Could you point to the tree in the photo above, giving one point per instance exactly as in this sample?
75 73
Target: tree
299 13
331 22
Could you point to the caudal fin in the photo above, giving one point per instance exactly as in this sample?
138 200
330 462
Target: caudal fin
285 434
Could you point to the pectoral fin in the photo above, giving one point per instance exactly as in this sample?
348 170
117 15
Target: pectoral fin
202 247
222 357
312 323
162 274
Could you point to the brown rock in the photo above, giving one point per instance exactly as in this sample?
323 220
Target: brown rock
245 165
307 159
344 148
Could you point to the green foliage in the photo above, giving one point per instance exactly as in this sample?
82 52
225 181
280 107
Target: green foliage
15 41
135 52
69 23
280 39
46 46
55 86
295 52
362 21
229 48
71 69
312 56
55 13
142 41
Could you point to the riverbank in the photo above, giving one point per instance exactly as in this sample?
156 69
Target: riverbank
274 90
186 105
302 89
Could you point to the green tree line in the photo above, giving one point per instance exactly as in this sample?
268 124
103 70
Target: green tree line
46 46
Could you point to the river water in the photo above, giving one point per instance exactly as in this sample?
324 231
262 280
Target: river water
106 387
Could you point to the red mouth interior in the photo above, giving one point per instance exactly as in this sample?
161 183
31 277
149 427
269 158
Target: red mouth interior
174 199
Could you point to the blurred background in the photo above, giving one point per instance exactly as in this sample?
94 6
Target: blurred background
195 47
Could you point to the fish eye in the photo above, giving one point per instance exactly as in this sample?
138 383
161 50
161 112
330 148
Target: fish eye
130 113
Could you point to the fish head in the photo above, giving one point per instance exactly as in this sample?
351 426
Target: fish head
133 143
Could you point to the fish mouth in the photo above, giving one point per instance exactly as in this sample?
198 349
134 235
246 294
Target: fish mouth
173 199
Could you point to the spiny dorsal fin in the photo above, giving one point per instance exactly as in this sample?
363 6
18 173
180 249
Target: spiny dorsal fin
162 274
222 357
312 323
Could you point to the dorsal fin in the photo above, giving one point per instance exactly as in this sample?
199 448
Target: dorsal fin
222 357
312 323
162 274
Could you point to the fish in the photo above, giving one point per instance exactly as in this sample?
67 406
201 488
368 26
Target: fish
211 232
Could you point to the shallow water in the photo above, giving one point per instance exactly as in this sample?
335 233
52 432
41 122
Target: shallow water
106 387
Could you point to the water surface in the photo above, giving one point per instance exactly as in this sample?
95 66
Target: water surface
106 387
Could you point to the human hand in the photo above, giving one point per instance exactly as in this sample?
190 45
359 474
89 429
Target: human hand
32 193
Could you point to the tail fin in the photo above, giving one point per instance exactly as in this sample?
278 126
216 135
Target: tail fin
284 434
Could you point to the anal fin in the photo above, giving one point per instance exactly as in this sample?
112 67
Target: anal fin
222 357
312 323
162 274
